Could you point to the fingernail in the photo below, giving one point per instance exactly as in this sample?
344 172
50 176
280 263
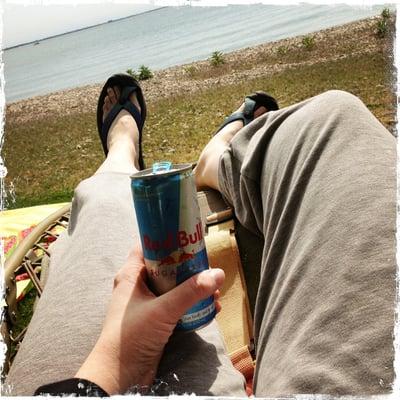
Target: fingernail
218 275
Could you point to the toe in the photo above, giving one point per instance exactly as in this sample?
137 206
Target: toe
111 95
107 101
117 92
106 107
260 111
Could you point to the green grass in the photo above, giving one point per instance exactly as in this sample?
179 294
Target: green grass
46 159
24 310
308 42
24 315
46 197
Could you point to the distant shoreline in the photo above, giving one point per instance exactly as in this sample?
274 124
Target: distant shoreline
37 41
175 81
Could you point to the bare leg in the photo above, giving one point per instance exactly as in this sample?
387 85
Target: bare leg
206 171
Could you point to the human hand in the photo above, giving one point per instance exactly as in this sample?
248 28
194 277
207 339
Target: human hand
138 325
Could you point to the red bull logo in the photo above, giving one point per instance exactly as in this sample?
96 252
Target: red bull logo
180 239
186 257
170 260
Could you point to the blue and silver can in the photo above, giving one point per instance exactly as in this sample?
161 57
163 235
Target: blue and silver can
171 232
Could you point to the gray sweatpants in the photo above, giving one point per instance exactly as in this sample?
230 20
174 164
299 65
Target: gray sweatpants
317 182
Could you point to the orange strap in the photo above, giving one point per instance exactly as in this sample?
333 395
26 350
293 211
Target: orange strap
242 360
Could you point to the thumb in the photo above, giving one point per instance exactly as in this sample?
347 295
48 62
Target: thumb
184 296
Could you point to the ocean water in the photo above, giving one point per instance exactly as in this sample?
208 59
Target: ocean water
159 39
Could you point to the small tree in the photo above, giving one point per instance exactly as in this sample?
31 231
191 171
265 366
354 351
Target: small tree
382 24
190 70
217 58
382 28
385 14
132 73
308 42
144 73
282 50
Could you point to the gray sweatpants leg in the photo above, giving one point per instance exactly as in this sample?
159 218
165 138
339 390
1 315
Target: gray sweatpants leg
317 181
70 313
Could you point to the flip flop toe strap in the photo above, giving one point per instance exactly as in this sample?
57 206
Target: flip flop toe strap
129 106
246 116
249 108
123 104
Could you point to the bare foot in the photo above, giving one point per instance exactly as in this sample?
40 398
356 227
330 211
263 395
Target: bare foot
124 124
123 136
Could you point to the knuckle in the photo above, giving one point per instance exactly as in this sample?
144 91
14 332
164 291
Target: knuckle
117 280
197 286
124 276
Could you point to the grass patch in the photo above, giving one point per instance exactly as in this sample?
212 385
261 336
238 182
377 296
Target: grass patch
40 198
308 42
24 315
24 308
46 159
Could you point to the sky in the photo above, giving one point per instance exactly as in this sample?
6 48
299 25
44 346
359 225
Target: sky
26 23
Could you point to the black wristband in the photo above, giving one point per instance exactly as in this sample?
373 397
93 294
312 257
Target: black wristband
73 386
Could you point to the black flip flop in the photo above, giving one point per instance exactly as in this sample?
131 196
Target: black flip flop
251 103
127 85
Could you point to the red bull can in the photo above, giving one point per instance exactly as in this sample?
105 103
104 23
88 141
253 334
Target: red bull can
171 232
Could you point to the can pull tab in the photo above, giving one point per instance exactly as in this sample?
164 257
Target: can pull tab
161 166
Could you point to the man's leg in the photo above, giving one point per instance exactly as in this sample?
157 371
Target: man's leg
84 261
317 181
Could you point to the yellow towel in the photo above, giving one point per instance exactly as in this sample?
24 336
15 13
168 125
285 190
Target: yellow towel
16 224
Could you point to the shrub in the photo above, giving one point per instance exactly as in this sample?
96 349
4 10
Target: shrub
145 73
382 25
190 70
385 14
382 28
217 58
132 73
308 42
282 50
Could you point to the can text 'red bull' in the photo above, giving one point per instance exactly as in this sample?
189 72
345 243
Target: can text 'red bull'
180 239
